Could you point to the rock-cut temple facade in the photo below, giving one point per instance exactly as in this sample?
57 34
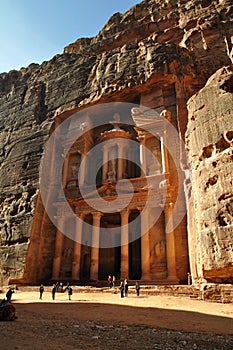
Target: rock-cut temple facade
121 181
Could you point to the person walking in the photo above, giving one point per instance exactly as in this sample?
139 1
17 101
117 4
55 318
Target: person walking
137 287
53 291
41 291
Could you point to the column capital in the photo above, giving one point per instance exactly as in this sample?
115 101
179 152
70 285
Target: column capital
169 204
96 218
81 215
105 146
140 209
97 214
125 212
141 137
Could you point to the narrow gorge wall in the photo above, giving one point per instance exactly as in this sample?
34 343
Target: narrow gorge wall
209 140
155 46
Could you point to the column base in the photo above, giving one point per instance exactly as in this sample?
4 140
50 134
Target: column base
173 280
124 276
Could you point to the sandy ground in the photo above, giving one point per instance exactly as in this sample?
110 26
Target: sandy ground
103 320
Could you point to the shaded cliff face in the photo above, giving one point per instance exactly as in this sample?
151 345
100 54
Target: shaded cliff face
153 44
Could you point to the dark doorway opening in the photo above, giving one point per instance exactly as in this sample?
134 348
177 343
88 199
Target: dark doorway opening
135 271
110 257
86 250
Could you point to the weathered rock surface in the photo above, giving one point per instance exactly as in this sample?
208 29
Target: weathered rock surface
210 144
153 44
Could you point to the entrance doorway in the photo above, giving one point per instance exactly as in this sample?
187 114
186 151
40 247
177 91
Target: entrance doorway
134 248
110 257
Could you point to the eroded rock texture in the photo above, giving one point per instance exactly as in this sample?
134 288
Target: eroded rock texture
161 50
210 147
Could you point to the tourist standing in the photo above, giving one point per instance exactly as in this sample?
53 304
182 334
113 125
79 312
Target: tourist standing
126 287
137 287
122 289
113 281
53 291
41 290
70 292
110 281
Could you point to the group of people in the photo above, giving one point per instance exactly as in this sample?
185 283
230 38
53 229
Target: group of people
58 287
124 287
111 281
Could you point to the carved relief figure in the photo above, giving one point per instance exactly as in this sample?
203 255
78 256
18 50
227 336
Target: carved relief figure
154 163
111 175
160 251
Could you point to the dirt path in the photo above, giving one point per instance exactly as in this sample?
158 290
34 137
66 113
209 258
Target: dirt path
98 320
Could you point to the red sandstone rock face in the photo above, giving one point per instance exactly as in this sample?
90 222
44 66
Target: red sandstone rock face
162 50
209 140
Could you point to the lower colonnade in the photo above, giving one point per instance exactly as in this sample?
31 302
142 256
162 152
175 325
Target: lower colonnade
135 251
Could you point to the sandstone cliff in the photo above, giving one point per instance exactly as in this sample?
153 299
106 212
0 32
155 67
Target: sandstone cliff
156 42
209 144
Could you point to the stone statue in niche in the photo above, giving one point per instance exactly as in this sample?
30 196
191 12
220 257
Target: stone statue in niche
68 254
74 167
74 170
116 122
111 175
154 167
160 250
73 175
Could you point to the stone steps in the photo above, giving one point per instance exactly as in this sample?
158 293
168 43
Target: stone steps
221 293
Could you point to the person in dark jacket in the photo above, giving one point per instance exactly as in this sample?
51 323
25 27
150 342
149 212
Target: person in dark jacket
41 290
9 294
137 287
70 292
53 291
122 289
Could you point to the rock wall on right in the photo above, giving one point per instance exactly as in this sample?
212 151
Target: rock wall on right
209 144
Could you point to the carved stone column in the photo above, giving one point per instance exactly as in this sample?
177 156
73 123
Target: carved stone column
95 246
164 154
77 249
124 244
142 139
65 171
82 169
120 162
145 245
105 163
58 252
170 244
